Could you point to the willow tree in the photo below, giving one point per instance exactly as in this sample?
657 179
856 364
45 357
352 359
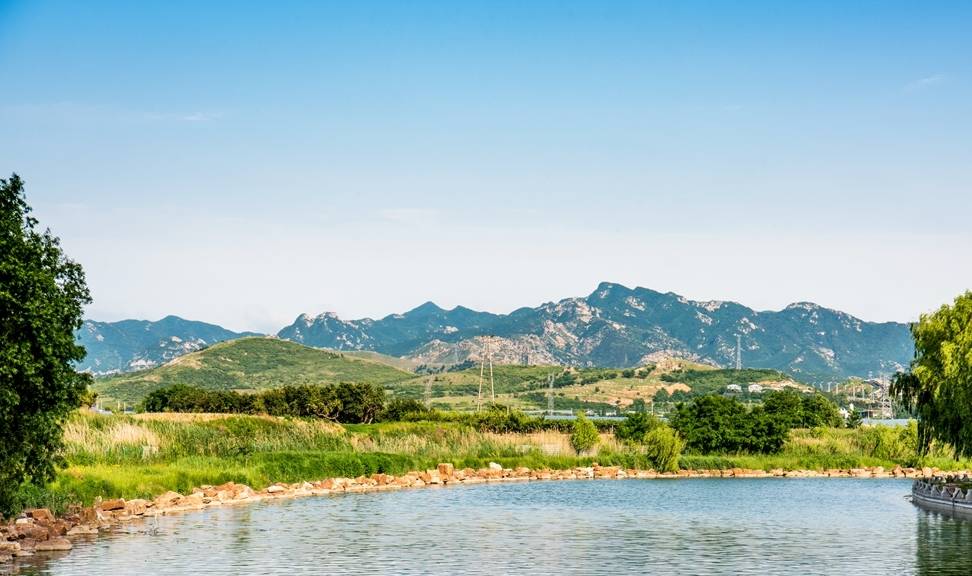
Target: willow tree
42 294
938 387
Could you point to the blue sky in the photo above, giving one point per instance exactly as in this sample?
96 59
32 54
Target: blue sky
244 164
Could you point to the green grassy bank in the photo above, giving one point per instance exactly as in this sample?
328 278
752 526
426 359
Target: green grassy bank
146 455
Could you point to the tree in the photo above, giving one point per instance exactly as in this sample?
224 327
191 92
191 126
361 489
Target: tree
42 295
583 436
663 448
786 405
635 426
819 411
938 387
712 424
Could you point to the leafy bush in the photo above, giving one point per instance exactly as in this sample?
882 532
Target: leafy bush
715 424
584 435
663 448
635 427
796 410
344 402
401 409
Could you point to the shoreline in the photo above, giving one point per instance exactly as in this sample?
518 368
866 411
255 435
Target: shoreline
38 531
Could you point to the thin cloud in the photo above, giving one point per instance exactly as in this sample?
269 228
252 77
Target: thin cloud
926 82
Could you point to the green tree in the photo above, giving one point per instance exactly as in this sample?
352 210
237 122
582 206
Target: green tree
42 295
663 448
819 411
635 426
786 405
938 387
583 435
712 424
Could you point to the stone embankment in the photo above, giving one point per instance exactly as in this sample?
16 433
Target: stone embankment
38 531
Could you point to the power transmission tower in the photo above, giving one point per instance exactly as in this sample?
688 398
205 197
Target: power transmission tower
487 357
738 352
550 395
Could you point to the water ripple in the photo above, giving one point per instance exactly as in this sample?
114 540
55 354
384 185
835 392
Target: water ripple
711 526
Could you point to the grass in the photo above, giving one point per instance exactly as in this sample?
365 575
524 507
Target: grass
146 455
826 448
250 364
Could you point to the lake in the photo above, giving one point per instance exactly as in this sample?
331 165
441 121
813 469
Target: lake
697 526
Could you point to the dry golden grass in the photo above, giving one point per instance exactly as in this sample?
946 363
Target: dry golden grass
79 435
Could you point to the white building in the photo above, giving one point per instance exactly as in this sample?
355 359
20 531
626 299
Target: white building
754 389
736 388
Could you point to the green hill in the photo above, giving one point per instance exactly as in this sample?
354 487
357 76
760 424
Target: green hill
250 364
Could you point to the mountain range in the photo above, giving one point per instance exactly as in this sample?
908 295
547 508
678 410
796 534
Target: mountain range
131 345
614 326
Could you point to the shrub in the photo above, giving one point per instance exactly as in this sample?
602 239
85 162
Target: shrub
401 409
663 448
344 402
584 436
636 426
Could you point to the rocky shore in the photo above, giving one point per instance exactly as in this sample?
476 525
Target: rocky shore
39 531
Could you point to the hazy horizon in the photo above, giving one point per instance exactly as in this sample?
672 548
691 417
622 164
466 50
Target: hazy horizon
242 166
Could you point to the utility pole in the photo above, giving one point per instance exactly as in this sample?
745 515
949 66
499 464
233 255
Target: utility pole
428 392
550 395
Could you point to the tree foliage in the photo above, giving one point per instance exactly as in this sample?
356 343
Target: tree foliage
635 426
583 436
716 424
344 402
796 410
663 448
938 387
42 295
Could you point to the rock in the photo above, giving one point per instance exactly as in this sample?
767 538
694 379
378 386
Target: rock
194 500
9 547
88 515
275 489
113 504
446 470
137 507
32 532
927 472
495 466
168 500
53 545
82 529
41 514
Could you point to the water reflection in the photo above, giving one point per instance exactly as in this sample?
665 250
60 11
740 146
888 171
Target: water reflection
714 526
944 544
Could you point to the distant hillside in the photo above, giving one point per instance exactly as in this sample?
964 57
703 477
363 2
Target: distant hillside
249 364
138 344
616 326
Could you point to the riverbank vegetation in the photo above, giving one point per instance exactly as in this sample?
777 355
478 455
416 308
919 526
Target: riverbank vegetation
938 386
147 454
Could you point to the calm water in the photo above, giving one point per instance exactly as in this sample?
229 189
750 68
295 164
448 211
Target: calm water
759 526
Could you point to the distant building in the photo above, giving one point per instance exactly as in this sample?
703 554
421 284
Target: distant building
734 388
754 389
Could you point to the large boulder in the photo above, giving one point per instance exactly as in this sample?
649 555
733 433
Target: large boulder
168 500
137 507
53 545
113 504
41 514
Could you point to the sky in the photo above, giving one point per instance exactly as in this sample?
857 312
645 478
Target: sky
242 164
